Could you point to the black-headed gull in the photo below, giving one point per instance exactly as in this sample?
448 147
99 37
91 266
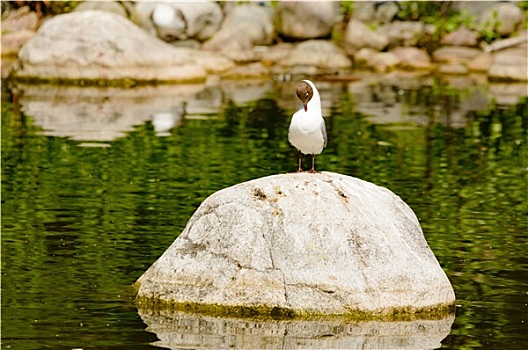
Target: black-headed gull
307 130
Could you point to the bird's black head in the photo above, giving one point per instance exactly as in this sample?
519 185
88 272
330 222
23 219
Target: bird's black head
304 93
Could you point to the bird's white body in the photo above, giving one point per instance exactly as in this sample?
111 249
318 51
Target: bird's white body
307 130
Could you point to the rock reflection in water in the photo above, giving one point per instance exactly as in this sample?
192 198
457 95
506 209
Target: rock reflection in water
105 114
179 330
99 114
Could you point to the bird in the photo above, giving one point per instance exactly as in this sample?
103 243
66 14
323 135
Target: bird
307 132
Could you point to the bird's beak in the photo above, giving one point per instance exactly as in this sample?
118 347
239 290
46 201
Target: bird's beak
305 107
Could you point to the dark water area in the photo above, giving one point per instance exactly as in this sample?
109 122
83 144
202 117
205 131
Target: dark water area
97 183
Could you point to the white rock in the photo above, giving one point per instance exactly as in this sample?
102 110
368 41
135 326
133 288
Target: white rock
503 17
319 53
109 6
244 26
168 22
405 33
178 20
364 55
412 58
358 36
304 243
97 45
306 20
383 61
510 64
455 54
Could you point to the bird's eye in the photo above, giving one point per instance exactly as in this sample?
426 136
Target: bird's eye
306 94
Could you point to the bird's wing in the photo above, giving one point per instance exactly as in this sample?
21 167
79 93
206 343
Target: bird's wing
323 131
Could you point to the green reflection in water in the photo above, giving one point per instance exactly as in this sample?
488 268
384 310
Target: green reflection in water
80 224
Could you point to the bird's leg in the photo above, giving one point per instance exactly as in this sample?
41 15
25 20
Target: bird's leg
300 162
313 164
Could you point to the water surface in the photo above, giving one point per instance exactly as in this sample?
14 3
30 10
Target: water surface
97 183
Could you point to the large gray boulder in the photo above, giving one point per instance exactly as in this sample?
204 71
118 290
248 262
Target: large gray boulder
299 244
306 20
98 45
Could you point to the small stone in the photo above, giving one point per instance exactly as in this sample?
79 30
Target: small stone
453 68
109 6
20 19
404 33
364 55
412 58
319 53
306 20
461 37
382 62
510 64
12 42
358 36
179 20
455 54
277 53
252 70
504 17
244 26
481 63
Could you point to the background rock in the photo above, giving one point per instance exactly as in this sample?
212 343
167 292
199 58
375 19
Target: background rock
306 20
319 53
168 22
386 11
504 17
364 11
404 33
364 55
20 19
358 36
300 243
97 45
412 58
12 42
455 54
244 26
276 53
480 63
18 27
453 68
109 6
179 20
509 64
382 62
461 37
